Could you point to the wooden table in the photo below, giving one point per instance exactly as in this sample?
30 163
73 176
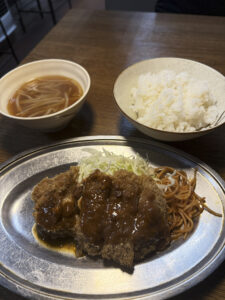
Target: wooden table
105 43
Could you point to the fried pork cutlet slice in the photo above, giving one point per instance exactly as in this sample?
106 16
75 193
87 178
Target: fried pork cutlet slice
56 204
151 229
91 221
122 217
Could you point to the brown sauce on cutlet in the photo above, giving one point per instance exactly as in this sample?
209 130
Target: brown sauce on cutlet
111 210
122 207
96 191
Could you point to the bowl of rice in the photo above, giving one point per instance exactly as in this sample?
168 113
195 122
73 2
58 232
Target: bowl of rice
171 99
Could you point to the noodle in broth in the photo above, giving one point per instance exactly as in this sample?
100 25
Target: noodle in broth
43 96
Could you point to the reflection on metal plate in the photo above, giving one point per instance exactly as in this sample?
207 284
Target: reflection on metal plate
31 270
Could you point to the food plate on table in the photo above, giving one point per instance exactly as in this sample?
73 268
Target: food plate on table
34 271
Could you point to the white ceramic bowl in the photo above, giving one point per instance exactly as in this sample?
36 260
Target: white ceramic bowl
128 79
15 78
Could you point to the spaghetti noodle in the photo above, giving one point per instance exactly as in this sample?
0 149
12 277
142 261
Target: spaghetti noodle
184 205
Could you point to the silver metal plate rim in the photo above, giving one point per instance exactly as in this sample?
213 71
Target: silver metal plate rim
36 293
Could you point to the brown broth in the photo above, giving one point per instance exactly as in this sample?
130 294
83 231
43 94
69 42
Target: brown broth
43 96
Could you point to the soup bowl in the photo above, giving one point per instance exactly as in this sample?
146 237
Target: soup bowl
13 80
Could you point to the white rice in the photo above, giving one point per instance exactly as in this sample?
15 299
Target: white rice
173 102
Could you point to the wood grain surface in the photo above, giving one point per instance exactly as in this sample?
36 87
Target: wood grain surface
105 43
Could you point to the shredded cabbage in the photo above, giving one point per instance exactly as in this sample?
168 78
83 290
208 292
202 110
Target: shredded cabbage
108 162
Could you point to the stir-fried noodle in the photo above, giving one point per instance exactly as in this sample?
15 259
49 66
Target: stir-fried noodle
184 205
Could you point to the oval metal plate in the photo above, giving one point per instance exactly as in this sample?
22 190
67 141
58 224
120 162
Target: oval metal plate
33 271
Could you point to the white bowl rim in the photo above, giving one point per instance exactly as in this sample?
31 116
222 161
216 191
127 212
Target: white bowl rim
60 111
159 130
